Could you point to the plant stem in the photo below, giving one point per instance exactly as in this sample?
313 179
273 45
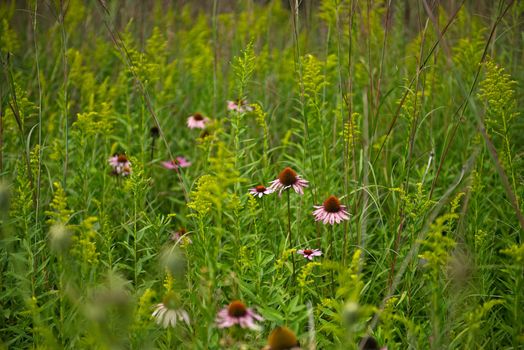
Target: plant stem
332 257
135 237
152 149
65 101
289 237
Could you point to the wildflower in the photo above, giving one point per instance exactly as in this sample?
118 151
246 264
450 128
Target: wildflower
260 191
166 313
286 179
120 164
237 313
331 211
309 253
181 236
179 162
282 338
197 121
240 106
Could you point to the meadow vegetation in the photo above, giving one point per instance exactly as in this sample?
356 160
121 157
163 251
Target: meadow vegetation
343 174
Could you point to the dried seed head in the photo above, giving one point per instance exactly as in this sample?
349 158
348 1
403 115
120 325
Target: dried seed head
155 132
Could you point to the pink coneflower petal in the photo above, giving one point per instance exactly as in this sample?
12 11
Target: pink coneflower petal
260 191
197 121
169 165
240 106
237 313
182 162
309 253
331 211
232 106
288 178
166 314
120 164
179 162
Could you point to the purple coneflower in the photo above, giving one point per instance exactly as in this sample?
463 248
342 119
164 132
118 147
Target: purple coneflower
197 121
238 313
181 236
240 106
309 253
167 313
286 179
260 191
331 211
179 162
120 164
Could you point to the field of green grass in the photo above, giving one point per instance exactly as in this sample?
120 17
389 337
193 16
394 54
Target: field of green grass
248 174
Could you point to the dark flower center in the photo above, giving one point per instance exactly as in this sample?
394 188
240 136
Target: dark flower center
260 188
332 205
198 117
122 158
155 132
308 251
237 309
182 231
287 177
369 343
282 338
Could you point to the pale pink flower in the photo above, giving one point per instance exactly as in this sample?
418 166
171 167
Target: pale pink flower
240 106
309 253
238 313
120 164
286 179
259 191
179 162
197 121
166 313
181 236
331 211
